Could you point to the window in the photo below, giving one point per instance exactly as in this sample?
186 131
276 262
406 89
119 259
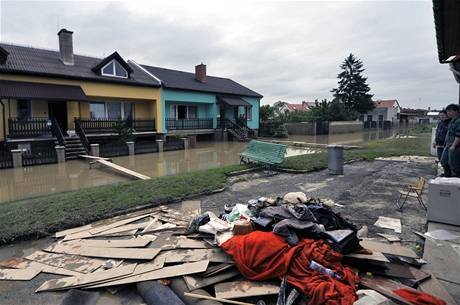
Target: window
97 110
24 109
249 113
369 118
111 110
183 112
380 117
192 112
114 110
114 69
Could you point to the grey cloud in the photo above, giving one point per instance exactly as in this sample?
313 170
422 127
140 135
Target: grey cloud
289 51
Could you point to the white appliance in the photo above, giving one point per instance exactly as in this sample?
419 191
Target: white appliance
444 200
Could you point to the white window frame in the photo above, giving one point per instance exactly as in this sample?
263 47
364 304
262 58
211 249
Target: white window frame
187 117
114 74
106 114
247 111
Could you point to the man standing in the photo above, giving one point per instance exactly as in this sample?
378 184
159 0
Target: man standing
451 154
441 132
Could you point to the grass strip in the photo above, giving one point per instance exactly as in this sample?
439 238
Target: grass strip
41 216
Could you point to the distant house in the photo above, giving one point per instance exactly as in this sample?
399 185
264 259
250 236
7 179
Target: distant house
417 116
287 107
384 111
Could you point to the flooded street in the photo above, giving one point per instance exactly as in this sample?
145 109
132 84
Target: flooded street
40 180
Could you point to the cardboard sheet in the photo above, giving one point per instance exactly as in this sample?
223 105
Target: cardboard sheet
70 262
240 289
195 281
86 279
389 223
122 253
166 272
388 248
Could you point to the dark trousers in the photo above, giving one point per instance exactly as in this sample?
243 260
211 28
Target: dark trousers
439 150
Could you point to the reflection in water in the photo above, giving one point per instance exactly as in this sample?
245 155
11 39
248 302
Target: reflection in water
73 175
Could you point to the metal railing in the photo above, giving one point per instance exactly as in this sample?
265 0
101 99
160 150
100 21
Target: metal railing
28 127
108 125
173 124
81 134
57 132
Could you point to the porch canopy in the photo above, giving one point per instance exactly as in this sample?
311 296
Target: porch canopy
233 101
40 91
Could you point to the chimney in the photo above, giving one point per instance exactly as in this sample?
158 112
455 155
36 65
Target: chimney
66 46
200 73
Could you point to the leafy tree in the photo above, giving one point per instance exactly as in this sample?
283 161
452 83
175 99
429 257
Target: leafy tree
353 91
125 133
330 111
266 113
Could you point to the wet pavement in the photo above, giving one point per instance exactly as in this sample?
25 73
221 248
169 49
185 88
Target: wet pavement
366 191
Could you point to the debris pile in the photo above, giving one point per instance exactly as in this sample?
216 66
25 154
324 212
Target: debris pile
284 251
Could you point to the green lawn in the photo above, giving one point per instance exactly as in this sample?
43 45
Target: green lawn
31 218
419 146
41 216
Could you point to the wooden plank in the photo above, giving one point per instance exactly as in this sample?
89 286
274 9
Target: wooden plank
19 274
94 157
388 248
114 243
205 297
434 287
73 231
195 255
196 281
86 279
375 256
47 268
125 230
241 289
389 237
166 272
70 262
216 269
385 287
119 223
122 253
122 170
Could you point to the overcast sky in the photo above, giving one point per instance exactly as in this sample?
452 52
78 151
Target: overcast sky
288 51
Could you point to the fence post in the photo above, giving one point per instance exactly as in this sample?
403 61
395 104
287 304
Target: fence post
95 150
60 153
17 157
160 145
186 142
130 147
192 141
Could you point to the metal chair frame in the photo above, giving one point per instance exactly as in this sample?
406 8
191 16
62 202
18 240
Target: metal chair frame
414 191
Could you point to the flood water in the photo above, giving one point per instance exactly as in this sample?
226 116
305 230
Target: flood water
40 180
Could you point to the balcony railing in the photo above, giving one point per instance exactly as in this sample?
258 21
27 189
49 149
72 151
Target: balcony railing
29 127
109 125
173 124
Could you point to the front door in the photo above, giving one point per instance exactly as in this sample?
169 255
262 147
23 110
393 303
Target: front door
58 110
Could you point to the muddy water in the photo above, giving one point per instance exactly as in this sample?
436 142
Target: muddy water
54 178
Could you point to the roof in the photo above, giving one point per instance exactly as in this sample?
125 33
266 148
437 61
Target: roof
28 90
33 61
233 101
106 60
305 106
386 103
181 80
447 24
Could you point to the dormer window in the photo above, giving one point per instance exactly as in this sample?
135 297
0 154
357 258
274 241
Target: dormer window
114 69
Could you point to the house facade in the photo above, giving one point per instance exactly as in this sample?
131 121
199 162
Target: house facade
48 96
289 107
385 114
195 103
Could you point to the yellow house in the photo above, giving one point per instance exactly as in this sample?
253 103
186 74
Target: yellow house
44 94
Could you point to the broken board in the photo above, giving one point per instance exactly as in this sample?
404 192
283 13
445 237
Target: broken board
241 289
389 223
194 255
388 248
70 262
166 272
114 243
122 253
86 279
195 281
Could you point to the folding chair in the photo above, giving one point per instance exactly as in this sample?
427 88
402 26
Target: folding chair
414 191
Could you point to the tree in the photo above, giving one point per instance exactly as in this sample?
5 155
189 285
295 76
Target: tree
330 111
266 113
353 91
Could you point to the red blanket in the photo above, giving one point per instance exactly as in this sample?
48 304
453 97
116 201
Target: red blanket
264 255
